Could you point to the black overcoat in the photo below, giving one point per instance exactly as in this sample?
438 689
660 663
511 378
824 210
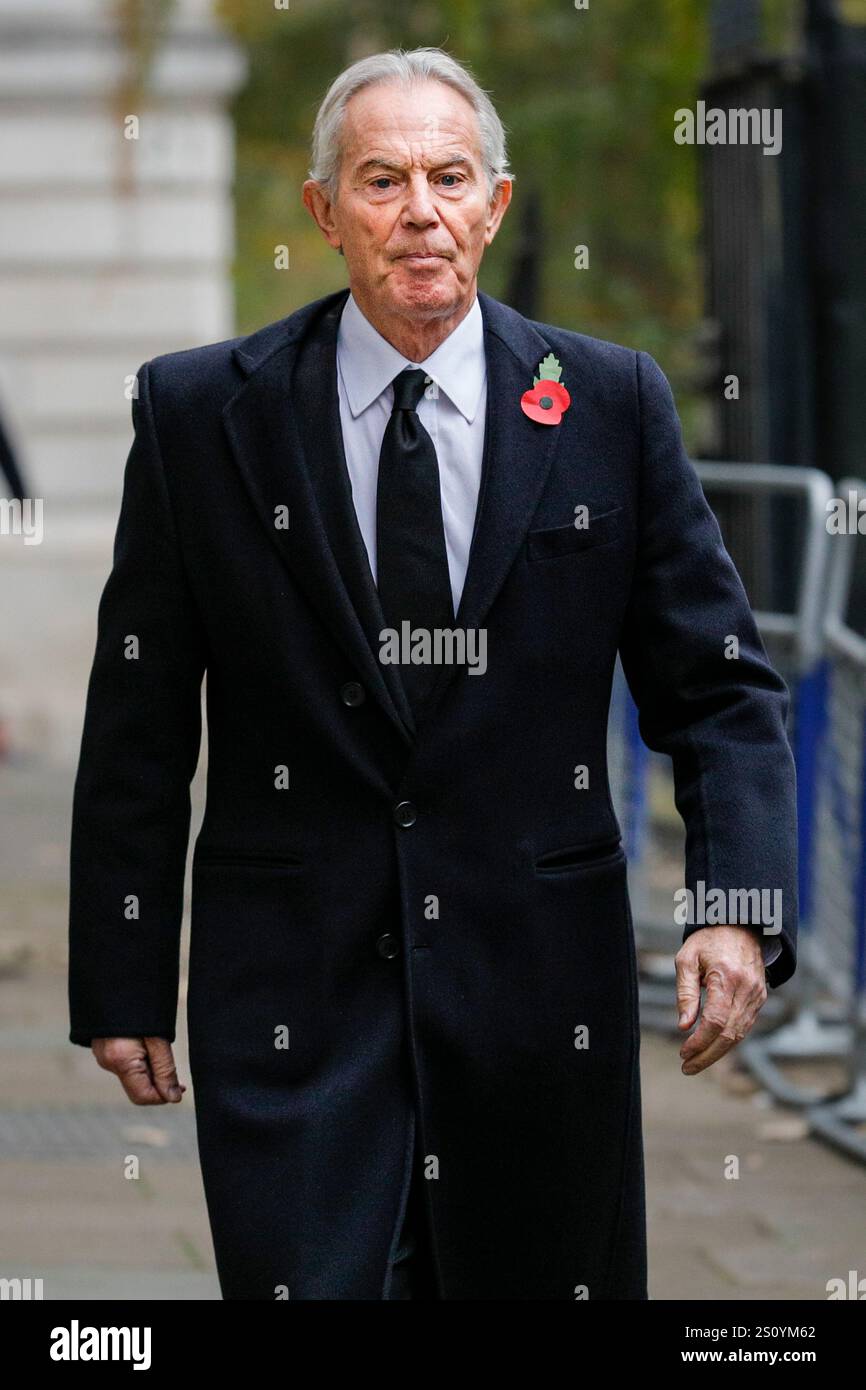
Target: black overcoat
389 917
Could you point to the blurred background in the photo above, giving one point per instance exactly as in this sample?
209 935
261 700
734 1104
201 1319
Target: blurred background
151 159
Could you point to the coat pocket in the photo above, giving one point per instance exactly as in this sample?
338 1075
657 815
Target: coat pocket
566 540
558 861
240 858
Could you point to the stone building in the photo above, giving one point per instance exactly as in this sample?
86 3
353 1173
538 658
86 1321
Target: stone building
116 242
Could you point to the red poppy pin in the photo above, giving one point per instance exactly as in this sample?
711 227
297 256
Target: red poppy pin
548 399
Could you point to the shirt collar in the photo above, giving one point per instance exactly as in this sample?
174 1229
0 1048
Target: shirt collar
368 363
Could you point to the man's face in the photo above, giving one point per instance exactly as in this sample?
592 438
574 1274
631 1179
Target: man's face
412 213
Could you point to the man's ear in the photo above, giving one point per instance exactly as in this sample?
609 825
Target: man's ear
498 207
321 209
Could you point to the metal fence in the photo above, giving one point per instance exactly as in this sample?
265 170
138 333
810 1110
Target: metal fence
839 941
751 502
817 641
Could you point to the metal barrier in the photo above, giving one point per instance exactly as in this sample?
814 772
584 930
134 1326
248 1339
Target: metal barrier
793 640
839 943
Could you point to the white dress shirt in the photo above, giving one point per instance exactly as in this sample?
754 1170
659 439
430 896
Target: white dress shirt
452 411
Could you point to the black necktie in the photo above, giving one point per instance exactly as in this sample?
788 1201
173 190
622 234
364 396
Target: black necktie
411 559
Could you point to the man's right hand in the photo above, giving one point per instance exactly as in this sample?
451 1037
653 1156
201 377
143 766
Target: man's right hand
145 1067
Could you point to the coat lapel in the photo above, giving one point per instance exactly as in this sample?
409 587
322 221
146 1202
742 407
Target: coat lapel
267 441
284 428
317 408
518 454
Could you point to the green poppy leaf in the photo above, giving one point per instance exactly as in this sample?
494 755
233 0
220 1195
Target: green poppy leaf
550 369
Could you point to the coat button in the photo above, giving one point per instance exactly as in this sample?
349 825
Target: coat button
405 814
388 946
353 693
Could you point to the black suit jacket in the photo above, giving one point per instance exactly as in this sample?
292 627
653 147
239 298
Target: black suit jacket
409 934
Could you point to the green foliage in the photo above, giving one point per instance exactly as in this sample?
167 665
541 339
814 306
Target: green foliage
588 99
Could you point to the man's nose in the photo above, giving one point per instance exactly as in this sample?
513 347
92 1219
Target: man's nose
419 209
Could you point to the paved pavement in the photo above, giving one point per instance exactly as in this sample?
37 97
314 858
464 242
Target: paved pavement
793 1218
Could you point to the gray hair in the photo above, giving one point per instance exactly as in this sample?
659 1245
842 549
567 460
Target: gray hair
404 67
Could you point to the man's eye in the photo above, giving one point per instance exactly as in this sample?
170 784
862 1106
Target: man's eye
384 180
455 177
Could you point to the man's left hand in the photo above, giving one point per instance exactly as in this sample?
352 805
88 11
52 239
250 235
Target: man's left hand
729 963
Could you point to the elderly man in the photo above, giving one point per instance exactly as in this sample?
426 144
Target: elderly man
405 532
